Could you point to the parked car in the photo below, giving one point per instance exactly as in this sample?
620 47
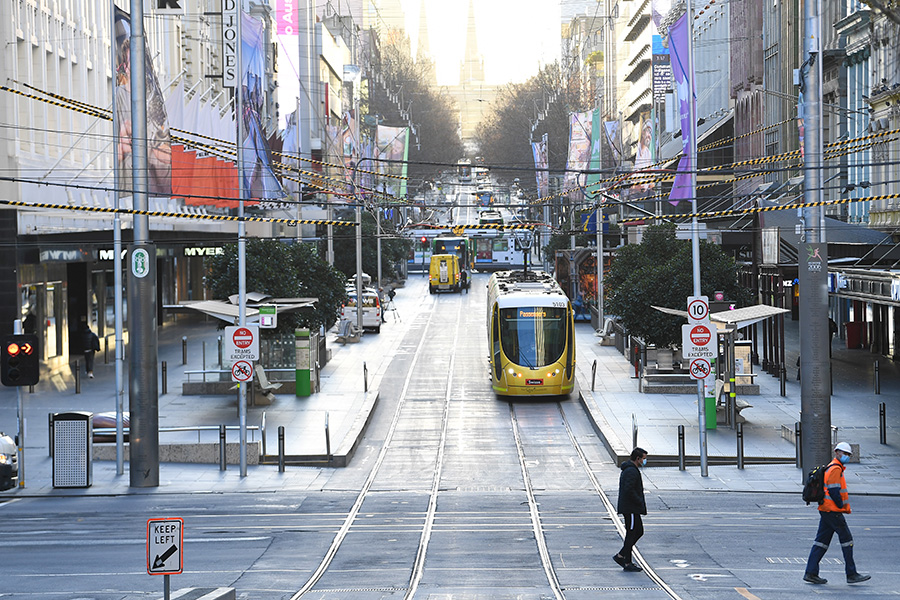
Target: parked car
372 315
9 463
107 420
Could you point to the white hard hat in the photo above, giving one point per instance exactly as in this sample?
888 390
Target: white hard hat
844 447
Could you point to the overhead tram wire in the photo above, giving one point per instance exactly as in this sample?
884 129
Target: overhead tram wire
629 178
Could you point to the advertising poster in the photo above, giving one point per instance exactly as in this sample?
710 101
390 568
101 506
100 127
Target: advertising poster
159 147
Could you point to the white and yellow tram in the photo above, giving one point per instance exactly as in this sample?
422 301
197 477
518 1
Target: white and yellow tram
531 335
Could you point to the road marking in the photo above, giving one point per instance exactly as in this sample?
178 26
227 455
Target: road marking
743 592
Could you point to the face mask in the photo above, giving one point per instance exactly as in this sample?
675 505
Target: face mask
644 462
844 458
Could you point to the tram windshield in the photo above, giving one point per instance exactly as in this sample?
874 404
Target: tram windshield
533 336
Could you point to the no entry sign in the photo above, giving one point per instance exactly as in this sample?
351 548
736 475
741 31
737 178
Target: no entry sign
698 341
242 343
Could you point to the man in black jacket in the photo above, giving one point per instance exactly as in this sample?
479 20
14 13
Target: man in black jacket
631 506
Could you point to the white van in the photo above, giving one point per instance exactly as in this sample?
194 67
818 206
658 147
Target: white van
372 315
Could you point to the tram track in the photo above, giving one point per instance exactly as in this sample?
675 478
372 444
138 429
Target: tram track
538 527
366 490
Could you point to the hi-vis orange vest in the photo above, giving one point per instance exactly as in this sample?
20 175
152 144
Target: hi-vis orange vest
834 478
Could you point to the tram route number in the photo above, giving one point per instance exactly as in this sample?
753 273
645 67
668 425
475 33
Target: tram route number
700 368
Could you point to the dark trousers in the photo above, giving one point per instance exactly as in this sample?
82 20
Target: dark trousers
88 361
829 524
634 529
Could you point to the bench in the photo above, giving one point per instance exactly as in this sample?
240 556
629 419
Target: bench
265 386
739 403
347 332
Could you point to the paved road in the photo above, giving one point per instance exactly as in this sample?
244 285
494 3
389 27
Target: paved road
454 493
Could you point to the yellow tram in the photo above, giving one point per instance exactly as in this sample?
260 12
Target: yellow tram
531 335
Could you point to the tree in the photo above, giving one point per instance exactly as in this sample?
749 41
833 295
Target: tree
505 136
282 270
436 143
393 249
658 272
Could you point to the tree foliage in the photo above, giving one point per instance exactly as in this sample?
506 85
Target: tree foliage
505 136
433 113
393 249
281 270
658 272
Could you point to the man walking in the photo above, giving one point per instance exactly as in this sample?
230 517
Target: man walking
831 520
631 506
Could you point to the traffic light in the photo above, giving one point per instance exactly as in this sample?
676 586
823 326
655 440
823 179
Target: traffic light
424 241
20 364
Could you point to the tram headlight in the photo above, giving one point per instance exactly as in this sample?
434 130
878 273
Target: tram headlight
553 373
512 372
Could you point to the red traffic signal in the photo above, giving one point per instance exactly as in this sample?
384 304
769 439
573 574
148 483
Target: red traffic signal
20 364
424 240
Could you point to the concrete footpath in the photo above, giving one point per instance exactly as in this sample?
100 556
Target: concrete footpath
615 405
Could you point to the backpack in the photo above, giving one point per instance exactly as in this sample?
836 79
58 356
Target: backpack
814 487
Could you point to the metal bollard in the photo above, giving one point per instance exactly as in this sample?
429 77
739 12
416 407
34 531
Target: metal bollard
77 378
634 431
877 379
165 378
593 374
798 440
327 438
281 448
222 465
882 423
365 378
681 447
783 380
220 351
106 350
184 350
739 427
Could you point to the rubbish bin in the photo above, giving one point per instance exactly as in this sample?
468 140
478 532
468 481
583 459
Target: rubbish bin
72 449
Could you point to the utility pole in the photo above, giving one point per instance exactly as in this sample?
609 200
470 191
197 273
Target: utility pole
242 241
117 262
695 231
815 400
142 390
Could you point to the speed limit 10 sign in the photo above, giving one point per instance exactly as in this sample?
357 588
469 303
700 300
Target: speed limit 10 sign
698 309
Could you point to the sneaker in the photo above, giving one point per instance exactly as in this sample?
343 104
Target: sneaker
91 375
809 578
632 568
620 561
858 578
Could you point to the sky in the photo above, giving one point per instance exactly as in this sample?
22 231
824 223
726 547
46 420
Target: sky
516 37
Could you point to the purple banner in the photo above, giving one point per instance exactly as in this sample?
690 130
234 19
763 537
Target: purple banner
678 46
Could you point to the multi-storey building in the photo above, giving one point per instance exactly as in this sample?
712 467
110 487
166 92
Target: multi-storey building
50 153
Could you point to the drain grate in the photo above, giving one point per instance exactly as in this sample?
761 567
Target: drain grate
779 560
372 589
617 588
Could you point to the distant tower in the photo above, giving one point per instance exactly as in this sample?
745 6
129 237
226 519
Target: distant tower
472 69
423 51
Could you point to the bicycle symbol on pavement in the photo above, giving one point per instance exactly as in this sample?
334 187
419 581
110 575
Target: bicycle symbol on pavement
700 368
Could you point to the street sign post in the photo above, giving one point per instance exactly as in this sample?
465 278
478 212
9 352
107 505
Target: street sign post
242 343
165 540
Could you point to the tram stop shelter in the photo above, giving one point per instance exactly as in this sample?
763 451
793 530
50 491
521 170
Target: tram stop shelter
728 323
